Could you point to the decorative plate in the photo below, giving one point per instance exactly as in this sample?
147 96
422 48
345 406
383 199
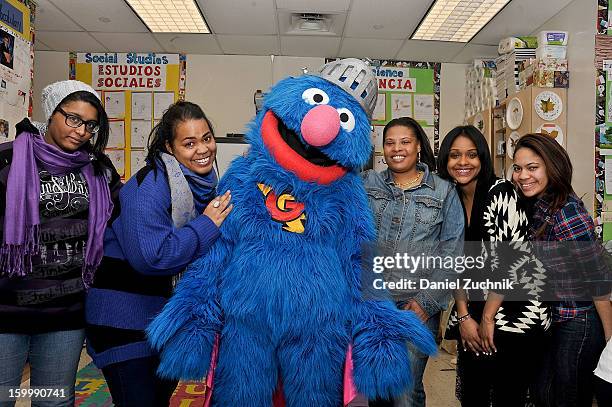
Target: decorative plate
509 172
479 122
553 131
511 142
548 105
514 113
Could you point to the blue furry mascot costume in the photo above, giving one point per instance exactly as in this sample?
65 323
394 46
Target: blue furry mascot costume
282 285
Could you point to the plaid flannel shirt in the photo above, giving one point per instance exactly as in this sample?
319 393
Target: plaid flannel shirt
577 269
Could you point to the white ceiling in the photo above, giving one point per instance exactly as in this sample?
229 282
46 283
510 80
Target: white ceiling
364 28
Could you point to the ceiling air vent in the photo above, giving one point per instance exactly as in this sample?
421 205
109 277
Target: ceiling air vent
310 23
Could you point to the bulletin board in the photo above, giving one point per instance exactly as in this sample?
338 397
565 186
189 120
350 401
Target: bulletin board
135 89
406 88
16 64
603 123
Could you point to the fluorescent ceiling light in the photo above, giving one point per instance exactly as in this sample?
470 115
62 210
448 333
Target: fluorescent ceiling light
457 20
170 16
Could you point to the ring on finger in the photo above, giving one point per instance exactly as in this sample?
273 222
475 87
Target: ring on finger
216 204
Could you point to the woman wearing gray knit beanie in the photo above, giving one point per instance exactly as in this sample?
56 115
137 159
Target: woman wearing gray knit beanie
56 188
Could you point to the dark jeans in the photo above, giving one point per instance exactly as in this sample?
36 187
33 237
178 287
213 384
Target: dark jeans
134 383
501 379
567 377
416 396
603 392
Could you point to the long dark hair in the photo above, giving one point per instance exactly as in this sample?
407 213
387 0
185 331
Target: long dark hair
486 174
163 132
427 155
558 167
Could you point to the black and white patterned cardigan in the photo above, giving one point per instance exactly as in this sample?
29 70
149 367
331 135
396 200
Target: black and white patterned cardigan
505 220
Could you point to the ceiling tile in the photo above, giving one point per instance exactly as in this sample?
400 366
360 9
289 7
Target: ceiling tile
250 17
249 44
189 43
91 14
50 18
70 41
304 46
335 30
519 17
369 48
430 51
395 19
314 6
475 51
131 42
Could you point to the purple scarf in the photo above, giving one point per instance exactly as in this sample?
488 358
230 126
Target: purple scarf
22 217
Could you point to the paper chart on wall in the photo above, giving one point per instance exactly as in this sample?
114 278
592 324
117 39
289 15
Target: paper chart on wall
161 102
380 108
379 163
116 136
430 135
118 159
141 106
377 137
137 160
609 106
424 108
608 176
401 105
114 104
140 133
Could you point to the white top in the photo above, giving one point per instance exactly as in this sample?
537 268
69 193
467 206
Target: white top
604 367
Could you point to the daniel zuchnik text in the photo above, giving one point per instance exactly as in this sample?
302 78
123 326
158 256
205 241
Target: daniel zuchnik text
459 283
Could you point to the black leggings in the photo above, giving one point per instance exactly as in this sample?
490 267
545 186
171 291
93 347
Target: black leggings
133 383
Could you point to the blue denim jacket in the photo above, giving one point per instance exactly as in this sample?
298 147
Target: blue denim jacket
429 213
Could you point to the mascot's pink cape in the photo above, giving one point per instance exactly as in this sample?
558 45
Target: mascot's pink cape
350 391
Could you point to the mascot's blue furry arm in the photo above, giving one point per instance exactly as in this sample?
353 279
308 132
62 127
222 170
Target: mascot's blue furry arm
283 285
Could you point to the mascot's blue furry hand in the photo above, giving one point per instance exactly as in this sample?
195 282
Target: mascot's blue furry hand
184 331
381 362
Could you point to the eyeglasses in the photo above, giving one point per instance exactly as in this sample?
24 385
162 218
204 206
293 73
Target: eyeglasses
74 121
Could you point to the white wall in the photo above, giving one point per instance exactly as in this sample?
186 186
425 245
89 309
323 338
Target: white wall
452 97
49 67
578 18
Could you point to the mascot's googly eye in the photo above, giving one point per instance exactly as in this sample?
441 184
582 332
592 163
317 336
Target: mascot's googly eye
315 96
347 120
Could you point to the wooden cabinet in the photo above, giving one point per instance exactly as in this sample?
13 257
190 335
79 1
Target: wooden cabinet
537 110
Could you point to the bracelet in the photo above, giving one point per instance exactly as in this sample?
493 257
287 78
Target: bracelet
464 318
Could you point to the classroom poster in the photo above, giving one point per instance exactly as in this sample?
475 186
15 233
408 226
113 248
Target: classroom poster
16 64
136 89
603 126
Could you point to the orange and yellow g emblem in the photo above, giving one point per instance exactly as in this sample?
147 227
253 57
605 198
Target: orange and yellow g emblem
284 209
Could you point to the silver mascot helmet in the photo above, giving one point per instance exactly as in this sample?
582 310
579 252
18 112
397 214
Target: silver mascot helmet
355 77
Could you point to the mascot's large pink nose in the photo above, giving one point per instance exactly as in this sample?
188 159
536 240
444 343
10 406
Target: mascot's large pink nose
320 125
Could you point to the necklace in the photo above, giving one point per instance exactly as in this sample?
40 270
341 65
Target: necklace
411 182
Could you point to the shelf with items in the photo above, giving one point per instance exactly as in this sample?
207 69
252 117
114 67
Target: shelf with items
530 110
482 121
498 148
